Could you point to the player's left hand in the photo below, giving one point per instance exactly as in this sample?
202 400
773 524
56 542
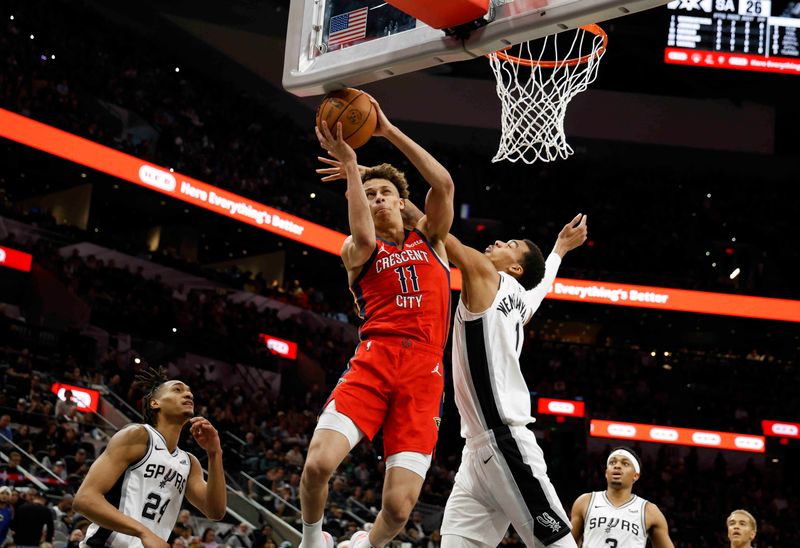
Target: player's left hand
206 435
334 172
572 235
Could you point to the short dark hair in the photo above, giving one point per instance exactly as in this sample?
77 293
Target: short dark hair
629 450
391 174
532 264
149 381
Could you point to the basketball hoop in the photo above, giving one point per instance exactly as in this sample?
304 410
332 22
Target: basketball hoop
534 102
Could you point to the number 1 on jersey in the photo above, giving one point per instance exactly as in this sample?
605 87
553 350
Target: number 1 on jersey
412 275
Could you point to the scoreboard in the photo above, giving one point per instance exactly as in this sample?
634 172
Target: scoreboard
756 35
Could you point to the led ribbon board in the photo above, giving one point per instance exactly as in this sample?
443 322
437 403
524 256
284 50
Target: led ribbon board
781 429
18 260
565 408
279 347
86 398
677 436
129 168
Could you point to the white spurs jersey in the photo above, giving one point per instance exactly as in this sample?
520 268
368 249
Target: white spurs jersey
606 525
490 390
150 491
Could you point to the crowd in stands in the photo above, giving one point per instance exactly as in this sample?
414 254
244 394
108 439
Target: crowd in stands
648 206
724 393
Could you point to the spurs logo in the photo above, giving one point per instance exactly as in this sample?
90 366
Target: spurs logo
546 520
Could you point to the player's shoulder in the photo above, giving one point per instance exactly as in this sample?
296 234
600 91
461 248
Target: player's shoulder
583 500
130 443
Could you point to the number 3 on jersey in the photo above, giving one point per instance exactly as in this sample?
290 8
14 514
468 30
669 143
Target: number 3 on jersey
412 275
152 506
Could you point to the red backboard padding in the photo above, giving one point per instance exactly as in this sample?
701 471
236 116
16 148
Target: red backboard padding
443 14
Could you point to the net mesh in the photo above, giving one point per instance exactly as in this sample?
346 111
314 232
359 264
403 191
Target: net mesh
535 91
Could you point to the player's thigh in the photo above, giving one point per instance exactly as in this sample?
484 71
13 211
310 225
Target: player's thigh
468 517
401 488
412 422
528 497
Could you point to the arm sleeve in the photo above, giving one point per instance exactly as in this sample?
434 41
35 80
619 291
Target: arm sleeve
535 296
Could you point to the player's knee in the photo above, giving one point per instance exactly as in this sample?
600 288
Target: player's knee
397 509
318 469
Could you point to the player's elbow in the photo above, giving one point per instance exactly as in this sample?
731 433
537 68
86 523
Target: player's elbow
215 514
80 503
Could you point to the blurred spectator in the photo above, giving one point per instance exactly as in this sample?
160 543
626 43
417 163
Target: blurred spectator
5 429
33 523
209 538
11 470
240 536
67 406
6 512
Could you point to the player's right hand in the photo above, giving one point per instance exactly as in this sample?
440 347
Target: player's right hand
150 540
384 125
335 145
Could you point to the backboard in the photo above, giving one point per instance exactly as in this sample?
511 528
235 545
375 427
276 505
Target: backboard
331 44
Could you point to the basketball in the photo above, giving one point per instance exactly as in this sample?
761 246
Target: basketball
354 110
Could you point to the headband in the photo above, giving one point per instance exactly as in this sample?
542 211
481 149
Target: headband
628 455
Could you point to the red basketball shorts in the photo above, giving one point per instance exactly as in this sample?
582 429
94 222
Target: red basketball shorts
397 384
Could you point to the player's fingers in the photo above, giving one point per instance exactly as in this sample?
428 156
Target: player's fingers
326 131
338 131
329 161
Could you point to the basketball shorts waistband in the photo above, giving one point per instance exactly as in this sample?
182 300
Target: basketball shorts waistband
404 342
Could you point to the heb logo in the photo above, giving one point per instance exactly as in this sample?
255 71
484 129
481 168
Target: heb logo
664 434
622 430
783 429
561 407
748 443
157 178
706 438
279 347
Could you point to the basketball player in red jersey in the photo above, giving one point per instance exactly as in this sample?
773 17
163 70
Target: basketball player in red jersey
395 380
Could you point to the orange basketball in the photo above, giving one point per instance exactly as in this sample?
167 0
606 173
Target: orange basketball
354 110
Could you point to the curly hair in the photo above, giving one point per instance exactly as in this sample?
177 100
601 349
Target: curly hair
149 381
391 174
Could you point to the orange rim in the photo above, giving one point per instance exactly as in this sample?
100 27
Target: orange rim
594 29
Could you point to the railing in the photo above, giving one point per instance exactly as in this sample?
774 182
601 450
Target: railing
30 477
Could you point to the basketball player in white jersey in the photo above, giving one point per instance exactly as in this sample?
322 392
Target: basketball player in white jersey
742 529
502 479
616 518
134 490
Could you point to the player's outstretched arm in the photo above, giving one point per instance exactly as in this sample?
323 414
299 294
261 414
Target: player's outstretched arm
481 278
571 236
578 515
126 447
210 498
439 202
359 246
658 527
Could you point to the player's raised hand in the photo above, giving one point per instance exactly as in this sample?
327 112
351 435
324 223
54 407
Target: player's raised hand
335 144
206 435
572 235
336 171
384 125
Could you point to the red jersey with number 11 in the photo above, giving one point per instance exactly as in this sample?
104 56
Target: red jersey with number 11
404 292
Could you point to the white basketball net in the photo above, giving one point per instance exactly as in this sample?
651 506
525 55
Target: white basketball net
535 98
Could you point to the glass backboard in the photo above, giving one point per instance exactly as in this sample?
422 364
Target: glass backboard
331 44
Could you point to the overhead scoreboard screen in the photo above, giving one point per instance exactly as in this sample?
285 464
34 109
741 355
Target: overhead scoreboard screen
754 35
